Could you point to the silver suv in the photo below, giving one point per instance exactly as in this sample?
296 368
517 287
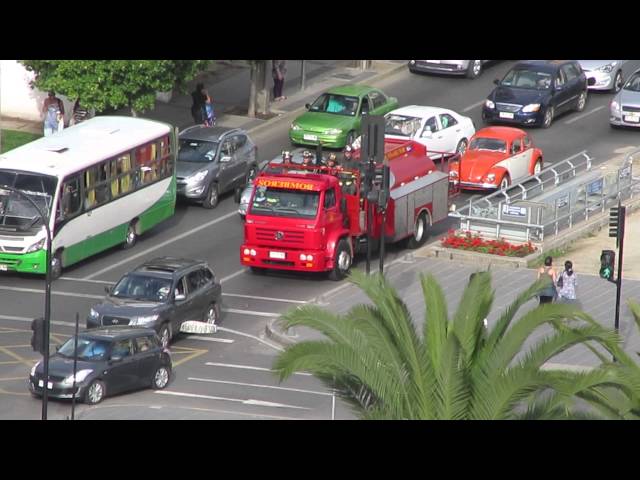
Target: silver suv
212 161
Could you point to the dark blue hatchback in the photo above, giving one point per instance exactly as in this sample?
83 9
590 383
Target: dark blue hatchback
534 92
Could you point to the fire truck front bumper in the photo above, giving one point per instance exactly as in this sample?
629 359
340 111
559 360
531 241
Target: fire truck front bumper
284 259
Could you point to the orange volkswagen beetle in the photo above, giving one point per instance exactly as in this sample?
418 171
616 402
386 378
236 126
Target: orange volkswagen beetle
496 158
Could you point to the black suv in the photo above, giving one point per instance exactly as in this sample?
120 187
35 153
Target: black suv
161 294
110 360
533 92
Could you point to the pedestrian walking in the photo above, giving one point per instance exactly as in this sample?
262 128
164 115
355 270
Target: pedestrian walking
209 115
548 293
198 106
53 111
80 113
567 282
279 71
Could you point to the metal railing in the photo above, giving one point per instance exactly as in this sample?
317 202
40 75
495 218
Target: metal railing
554 200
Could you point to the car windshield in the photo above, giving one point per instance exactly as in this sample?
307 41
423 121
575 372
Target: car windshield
633 84
401 125
285 202
18 213
88 349
197 151
490 144
338 104
140 287
531 79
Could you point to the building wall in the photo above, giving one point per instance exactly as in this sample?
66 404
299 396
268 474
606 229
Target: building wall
18 99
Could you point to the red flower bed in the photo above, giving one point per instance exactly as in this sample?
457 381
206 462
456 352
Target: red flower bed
475 243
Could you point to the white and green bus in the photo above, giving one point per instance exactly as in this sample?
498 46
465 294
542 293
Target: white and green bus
101 183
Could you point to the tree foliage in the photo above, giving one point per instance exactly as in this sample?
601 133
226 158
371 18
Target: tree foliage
456 368
103 84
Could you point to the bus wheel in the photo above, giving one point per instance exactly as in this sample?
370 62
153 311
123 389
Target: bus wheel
56 265
342 261
132 237
419 232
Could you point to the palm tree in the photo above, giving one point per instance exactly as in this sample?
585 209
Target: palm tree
457 368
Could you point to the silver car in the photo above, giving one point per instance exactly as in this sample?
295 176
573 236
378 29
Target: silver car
245 197
470 68
213 160
625 106
608 74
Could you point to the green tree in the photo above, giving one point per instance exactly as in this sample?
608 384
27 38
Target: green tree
457 369
103 84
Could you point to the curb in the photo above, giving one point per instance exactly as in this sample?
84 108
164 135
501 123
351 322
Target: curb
277 335
294 113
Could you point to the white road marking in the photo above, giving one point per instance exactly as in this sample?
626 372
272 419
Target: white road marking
271 299
160 245
237 400
471 107
53 292
29 320
312 392
211 339
233 275
258 339
575 119
73 279
251 312
250 367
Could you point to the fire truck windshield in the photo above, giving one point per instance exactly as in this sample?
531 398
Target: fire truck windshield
285 202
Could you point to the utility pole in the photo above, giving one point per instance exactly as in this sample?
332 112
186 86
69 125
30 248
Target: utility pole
303 75
618 215
383 200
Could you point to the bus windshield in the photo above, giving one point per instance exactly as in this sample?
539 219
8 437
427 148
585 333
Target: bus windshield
16 212
285 203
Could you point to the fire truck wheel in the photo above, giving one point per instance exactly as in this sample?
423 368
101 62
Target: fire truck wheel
419 232
342 261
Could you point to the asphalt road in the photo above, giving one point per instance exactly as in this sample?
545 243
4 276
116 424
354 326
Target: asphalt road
226 375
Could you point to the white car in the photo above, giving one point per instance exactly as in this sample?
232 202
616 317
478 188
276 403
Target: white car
609 74
439 129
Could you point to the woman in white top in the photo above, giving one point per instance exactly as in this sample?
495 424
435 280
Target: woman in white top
567 282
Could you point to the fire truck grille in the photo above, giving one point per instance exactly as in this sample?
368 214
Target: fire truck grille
273 234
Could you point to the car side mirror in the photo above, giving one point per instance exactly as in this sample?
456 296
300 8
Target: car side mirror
180 297
116 358
496 81
107 290
58 347
591 81
307 106
225 159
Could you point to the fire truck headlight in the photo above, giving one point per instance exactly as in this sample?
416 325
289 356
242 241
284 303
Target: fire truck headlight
253 252
246 251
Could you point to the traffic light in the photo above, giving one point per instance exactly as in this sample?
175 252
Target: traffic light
37 338
614 221
607 264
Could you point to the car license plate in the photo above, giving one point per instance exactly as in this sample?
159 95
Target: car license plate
433 61
313 138
632 118
506 115
278 255
49 384
3 268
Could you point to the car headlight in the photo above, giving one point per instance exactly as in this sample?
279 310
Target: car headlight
143 320
196 177
607 68
453 173
295 127
33 370
491 177
333 131
532 107
489 104
80 376
93 314
37 246
615 106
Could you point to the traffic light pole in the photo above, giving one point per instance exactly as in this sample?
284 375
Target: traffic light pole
621 223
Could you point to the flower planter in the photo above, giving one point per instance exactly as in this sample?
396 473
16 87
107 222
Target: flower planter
474 243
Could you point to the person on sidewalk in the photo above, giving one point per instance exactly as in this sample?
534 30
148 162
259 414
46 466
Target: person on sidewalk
278 71
53 111
548 293
198 106
80 113
209 116
567 282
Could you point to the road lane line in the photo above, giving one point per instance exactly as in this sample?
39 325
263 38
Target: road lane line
208 380
227 399
250 367
248 335
73 279
17 357
53 292
29 319
233 275
211 339
575 119
251 312
271 299
160 245
475 105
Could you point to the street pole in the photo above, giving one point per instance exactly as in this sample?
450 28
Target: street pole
622 219
75 368
383 204
303 75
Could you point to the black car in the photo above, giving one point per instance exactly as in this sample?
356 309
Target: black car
161 294
110 360
533 92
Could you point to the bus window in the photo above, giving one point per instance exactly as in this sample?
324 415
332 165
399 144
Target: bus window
146 159
89 184
71 197
123 170
115 183
102 187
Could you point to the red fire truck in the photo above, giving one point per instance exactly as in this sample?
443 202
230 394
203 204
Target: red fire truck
316 218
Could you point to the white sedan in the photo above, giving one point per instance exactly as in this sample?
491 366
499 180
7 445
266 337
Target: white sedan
439 129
